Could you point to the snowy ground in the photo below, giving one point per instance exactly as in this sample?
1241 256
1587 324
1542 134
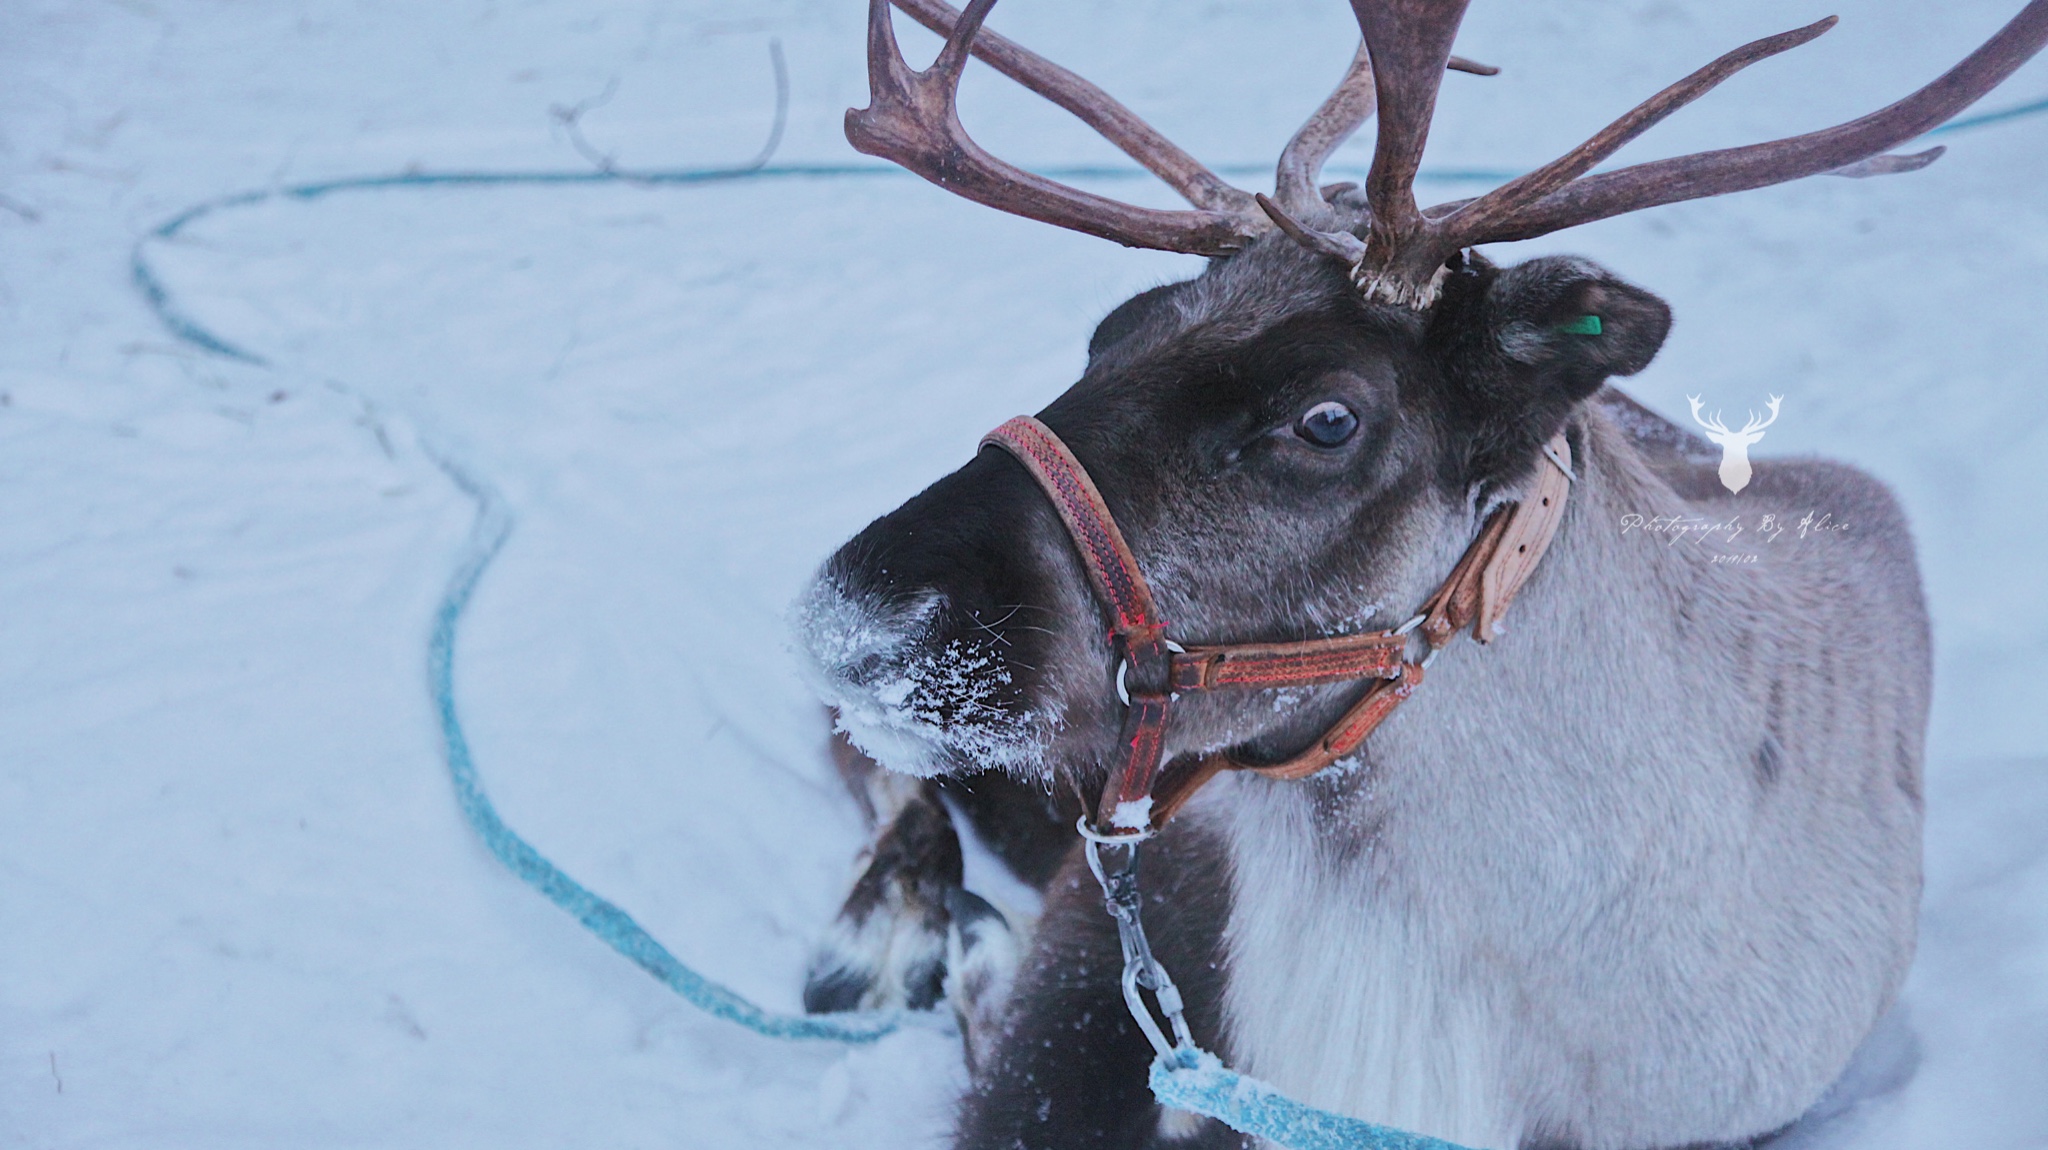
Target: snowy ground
237 904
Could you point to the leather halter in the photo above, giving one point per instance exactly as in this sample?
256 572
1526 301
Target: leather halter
1153 670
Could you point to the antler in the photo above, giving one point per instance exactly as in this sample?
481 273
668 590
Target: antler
1351 105
1411 42
1405 250
1301 162
911 118
1855 144
1091 105
1710 422
1516 196
1755 424
1713 422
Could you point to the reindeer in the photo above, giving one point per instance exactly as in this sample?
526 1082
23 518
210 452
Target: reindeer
1735 445
1639 871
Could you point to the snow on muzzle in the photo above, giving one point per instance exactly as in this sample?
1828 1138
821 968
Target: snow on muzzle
919 685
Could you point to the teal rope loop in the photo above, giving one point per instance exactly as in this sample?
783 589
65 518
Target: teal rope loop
615 927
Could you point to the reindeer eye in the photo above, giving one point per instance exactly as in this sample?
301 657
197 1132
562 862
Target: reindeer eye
1327 424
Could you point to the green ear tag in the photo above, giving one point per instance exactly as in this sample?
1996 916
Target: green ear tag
1584 325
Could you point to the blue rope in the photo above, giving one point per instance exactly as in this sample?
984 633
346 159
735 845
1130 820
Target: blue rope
1193 1080
606 921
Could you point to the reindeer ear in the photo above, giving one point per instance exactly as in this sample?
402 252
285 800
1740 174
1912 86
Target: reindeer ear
1526 344
1571 324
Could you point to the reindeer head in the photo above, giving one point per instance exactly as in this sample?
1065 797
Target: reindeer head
1296 443
1734 445
1284 459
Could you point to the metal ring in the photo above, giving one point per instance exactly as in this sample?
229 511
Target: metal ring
1411 624
1124 840
1123 667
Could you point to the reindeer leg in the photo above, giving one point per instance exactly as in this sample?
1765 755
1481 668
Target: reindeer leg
981 965
1032 832
1065 1069
887 947
908 932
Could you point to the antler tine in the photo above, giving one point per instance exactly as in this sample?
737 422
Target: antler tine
1410 43
1092 106
1855 146
911 119
1503 202
1338 244
1301 162
1758 423
1882 165
1710 422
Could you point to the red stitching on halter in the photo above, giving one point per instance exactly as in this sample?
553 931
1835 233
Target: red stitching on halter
1308 669
1111 566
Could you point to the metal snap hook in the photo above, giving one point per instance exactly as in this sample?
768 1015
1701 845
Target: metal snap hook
1141 971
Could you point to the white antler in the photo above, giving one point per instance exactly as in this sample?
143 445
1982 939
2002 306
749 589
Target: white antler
1710 422
1735 445
1753 425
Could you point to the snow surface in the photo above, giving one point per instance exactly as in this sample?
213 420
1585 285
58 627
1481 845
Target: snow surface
239 906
